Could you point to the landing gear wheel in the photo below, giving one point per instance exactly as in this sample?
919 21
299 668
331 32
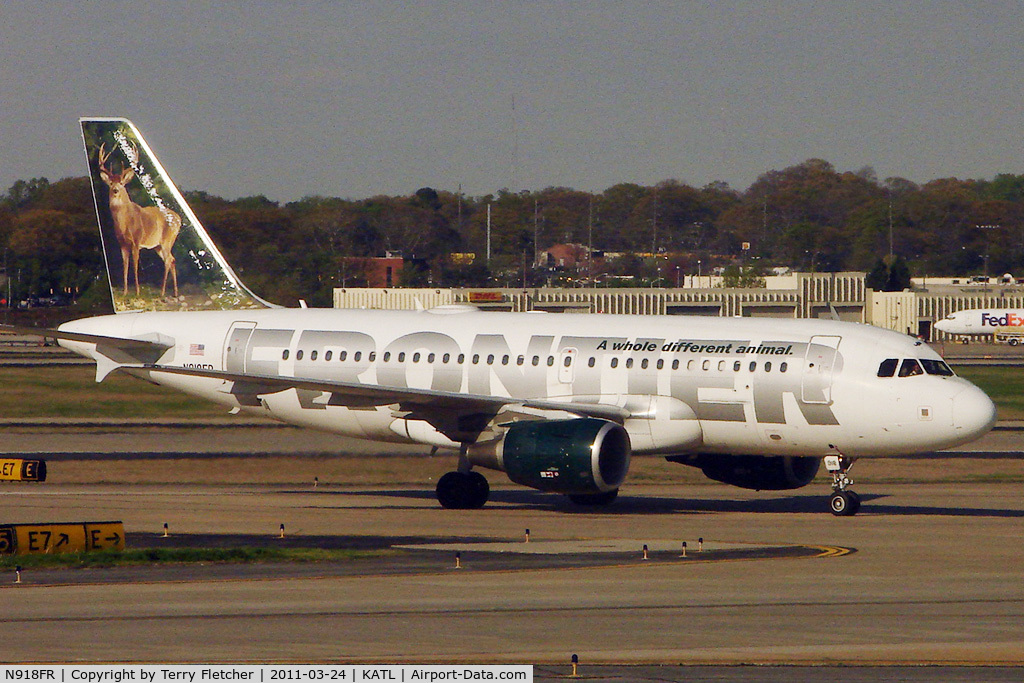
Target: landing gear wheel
481 490
604 498
854 501
844 503
459 491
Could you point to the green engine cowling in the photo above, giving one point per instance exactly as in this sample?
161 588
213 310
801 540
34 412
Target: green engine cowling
579 456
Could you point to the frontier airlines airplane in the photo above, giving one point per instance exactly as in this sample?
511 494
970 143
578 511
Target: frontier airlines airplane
560 403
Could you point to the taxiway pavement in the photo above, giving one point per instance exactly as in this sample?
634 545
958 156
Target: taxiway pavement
937 576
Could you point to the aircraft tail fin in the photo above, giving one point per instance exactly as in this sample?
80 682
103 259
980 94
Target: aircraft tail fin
158 255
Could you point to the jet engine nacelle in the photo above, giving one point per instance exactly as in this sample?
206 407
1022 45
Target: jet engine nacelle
757 472
578 456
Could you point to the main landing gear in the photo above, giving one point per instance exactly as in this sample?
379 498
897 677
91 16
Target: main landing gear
463 489
843 503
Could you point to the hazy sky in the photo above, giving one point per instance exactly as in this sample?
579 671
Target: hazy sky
353 99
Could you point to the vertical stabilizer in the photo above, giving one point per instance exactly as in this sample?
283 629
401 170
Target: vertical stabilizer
159 257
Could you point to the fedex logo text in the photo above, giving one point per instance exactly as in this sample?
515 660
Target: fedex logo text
1007 320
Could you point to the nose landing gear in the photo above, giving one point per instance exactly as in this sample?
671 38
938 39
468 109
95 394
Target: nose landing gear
843 503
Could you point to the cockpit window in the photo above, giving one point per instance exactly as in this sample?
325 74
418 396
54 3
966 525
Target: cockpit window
910 367
936 367
888 367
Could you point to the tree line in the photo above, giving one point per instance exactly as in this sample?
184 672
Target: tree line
808 217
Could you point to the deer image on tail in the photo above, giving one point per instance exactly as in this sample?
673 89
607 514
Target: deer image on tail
139 227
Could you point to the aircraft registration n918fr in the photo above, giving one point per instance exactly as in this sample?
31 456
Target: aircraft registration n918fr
560 403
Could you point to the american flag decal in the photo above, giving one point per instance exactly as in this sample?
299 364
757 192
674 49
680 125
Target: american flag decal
197 349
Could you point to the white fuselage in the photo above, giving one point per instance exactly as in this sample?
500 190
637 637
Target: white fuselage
976 321
690 384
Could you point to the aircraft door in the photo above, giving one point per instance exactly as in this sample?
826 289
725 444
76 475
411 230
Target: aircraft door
819 365
237 343
566 365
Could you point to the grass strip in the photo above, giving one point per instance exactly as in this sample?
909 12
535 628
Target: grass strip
1002 384
72 392
151 556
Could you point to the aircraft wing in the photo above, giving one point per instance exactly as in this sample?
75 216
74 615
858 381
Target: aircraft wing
451 413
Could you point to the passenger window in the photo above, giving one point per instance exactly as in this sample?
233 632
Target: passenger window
567 362
387 356
615 362
490 359
551 361
706 365
445 358
629 363
643 364
372 357
675 364
736 366
536 361
327 356
356 356
887 368
520 360
312 355
461 359
476 358
661 364
416 357
284 355
753 366
768 366
430 358
910 367
783 367
401 357
504 360
298 355
721 365
344 354
590 362
689 365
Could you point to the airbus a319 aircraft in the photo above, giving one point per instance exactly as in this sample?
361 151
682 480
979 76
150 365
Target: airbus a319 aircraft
559 402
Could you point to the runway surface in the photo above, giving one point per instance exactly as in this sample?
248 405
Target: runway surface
935 577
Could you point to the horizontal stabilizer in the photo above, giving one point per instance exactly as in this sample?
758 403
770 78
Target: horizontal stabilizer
111 352
156 342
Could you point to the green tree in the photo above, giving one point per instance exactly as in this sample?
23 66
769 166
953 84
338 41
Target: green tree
899 276
878 278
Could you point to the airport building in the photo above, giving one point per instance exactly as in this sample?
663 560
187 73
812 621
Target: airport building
796 295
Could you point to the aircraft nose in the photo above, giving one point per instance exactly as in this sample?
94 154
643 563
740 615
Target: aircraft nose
974 413
943 325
